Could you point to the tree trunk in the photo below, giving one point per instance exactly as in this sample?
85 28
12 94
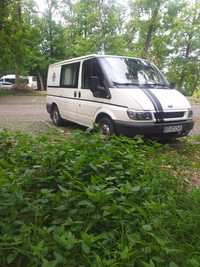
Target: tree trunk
195 85
17 76
41 81
50 21
187 53
18 29
150 31
51 38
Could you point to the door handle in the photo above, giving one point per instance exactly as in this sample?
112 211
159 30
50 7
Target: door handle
79 94
75 94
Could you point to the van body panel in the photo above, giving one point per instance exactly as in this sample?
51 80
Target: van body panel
53 78
64 100
88 107
116 107
63 97
133 98
114 113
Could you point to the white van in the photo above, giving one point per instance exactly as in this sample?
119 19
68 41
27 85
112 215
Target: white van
31 81
123 95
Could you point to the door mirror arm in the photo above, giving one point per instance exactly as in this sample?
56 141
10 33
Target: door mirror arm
103 92
172 85
98 90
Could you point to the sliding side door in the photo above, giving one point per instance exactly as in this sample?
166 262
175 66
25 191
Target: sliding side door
69 90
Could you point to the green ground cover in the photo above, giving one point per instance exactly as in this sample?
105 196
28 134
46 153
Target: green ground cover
89 201
8 92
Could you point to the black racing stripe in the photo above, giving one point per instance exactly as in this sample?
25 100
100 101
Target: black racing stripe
159 106
81 99
156 103
151 99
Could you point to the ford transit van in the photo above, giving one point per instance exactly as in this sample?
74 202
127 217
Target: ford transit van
123 95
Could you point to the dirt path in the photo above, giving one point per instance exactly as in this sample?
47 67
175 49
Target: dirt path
28 113
196 110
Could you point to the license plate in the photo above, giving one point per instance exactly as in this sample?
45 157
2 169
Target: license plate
172 129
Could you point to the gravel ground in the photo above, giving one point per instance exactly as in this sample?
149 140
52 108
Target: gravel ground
28 113
196 110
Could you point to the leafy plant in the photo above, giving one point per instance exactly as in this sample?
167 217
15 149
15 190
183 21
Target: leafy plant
87 201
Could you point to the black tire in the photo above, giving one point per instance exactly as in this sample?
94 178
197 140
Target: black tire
55 116
106 126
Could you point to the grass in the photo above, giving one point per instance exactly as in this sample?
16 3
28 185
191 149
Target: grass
89 201
4 92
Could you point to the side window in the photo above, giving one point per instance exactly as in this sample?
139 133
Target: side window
90 68
69 75
10 80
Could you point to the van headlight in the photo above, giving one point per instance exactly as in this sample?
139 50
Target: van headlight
190 113
139 115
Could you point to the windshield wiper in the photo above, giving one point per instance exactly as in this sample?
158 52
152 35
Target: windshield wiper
143 84
116 83
155 84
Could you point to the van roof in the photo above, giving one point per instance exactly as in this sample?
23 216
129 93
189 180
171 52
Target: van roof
85 57
13 76
9 76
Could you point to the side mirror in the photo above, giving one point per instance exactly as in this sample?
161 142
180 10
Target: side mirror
94 83
97 89
172 85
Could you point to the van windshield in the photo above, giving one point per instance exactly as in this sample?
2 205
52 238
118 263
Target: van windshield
128 71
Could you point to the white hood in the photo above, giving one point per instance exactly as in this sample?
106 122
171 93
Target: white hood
137 99
171 99
132 98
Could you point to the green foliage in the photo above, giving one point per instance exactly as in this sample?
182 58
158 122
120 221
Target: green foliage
166 32
87 201
196 93
6 92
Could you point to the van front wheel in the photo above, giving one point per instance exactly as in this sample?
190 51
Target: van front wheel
55 116
106 126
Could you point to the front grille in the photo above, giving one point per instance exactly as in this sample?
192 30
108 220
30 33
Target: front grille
169 115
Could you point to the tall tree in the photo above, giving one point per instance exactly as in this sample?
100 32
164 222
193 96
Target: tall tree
145 20
164 31
13 44
93 26
186 51
17 46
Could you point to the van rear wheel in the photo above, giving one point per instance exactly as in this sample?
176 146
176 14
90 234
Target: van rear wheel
55 116
106 126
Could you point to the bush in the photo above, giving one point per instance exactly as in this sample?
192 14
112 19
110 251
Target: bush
196 93
87 201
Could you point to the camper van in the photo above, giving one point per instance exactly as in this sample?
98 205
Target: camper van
122 95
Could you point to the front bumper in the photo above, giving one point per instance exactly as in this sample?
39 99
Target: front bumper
152 129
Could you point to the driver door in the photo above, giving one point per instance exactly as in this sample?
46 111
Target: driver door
88 103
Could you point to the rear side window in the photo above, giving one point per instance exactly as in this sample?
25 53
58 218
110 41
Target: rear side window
91 68
10 80
69 75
